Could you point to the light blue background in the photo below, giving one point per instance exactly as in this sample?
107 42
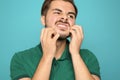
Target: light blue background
20 29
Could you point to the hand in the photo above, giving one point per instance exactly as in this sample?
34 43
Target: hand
76 39
48 41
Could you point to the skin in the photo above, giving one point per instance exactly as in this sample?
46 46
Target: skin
60 24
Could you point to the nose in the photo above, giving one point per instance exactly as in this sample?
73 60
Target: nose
64 18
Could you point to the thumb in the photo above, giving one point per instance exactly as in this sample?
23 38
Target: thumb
56 37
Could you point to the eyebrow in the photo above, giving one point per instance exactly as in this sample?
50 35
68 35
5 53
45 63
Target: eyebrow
56 9
72 13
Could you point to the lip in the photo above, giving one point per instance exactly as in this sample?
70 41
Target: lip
62 26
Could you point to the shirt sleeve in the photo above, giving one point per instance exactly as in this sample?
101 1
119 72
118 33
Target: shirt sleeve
91 62
17 70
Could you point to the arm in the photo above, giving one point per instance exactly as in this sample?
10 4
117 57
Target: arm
44 66
81 71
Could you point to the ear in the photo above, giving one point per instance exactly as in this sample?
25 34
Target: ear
43 20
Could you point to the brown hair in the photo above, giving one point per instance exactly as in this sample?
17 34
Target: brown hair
47 3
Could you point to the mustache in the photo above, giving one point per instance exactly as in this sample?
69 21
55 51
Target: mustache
62 21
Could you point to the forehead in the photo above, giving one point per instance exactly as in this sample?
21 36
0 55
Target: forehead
63 5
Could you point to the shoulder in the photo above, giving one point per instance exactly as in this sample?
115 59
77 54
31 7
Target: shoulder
23 62
89 58
28 53
85 53
91 61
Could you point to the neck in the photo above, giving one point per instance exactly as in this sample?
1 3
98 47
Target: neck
61 44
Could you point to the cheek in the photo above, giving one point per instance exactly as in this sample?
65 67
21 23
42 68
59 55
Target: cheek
72 22
50 20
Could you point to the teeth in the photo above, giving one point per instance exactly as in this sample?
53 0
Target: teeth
62 25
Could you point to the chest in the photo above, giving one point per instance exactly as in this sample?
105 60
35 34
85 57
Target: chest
62 70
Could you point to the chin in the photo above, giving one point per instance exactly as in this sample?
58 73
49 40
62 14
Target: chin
63 34
63 37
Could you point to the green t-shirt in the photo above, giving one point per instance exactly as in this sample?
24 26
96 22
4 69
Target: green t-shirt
24 64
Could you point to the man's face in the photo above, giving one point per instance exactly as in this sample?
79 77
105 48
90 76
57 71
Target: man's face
61 17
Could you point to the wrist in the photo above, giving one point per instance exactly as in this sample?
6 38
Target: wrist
74 52
47 58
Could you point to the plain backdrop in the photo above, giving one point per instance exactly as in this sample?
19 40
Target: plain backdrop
20 29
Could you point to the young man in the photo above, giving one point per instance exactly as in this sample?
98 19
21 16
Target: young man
56 58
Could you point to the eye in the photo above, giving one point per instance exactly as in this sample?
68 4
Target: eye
71 16
56 12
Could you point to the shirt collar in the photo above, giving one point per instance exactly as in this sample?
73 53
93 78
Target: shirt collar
65 54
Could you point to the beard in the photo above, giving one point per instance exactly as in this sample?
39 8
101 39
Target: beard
63 37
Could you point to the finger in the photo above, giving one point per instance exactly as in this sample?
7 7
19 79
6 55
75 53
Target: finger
55 38
81 30
42 33
72 33
78 30
51 33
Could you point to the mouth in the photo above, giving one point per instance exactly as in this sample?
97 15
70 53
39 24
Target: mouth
63 26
